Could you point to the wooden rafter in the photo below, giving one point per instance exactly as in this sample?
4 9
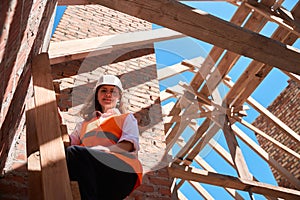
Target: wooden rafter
207 167
235 151
256 72
254 23
263 111
279 15
266 157
210 29
269 138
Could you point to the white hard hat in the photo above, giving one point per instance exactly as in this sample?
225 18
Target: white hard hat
109 80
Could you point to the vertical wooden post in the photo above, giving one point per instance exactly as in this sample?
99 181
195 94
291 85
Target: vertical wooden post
55 178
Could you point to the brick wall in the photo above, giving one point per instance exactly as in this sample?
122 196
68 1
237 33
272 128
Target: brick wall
287 108
22 36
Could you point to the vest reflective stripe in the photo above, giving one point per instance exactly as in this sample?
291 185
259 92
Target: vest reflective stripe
108 133
99 138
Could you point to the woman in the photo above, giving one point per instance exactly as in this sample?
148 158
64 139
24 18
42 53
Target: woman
103 152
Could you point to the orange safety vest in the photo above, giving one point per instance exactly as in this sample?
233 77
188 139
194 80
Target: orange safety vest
108 133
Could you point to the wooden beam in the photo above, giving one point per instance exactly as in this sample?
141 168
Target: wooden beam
85 2
207 167
48 35
205 27
176 69
180 126
256 71
294 77
277 16
225 155
221 151
281 125
254 74
55 178
254 23
238 18
181 196
203 141
72 2
264 155
235 150
35 186
170 71
263 111
164 95
269 138
197 136
201 190
247 83
81 48
203 176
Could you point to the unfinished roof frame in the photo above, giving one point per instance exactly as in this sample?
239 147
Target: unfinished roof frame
238 41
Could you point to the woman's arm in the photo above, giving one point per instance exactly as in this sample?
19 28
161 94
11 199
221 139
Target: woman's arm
130 132
74 136
121 147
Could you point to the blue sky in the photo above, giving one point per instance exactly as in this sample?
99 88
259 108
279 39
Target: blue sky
174 51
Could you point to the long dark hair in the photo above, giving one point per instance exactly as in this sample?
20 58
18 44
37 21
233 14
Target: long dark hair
98 107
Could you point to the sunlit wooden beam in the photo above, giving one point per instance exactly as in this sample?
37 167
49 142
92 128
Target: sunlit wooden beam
203 176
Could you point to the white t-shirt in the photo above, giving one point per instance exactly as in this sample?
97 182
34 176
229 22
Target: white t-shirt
130 131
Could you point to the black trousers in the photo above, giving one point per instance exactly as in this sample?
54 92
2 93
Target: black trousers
100 175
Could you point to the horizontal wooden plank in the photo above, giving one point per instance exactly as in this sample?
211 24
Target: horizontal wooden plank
85 2
71 2
203 176
164 95
81 48
170 71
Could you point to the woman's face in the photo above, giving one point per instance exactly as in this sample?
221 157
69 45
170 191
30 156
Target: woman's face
108 96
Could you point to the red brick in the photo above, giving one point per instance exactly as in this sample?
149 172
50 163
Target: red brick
160 181
288 111
165 191
146 188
